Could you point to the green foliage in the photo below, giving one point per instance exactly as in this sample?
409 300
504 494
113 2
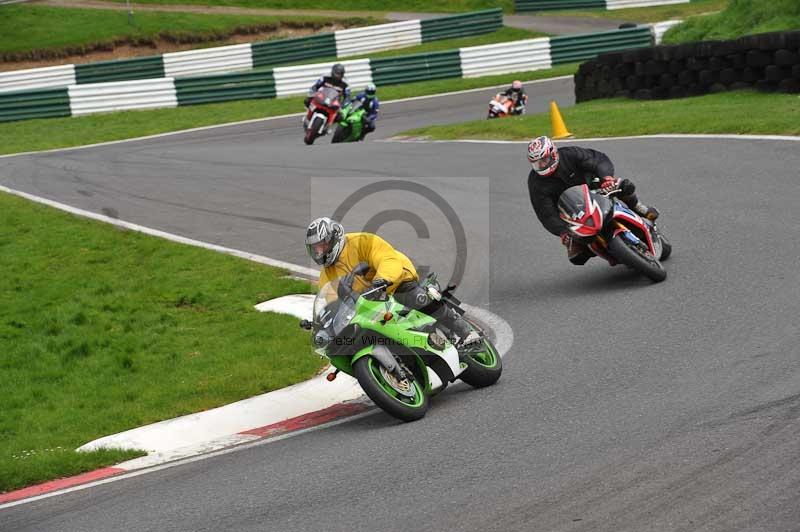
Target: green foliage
30 31
104 330
741 17
729 112
647 14
433 6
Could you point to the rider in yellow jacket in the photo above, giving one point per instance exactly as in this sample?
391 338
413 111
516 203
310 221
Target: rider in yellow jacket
339 253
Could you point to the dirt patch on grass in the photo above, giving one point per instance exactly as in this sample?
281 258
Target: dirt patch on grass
144 46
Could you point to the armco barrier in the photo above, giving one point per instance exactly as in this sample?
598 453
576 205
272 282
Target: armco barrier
37 78
766 62
122 70
225 87
523 6
549 5
417 67
272 53
358 41
571 48
518 56
38 103
660 28
626 4
222 59
123 95
297 79
460 25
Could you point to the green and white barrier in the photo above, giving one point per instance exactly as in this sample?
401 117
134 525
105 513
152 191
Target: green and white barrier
522 6
473 61
342 43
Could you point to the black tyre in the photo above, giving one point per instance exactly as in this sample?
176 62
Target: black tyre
405 401
484 365
340 134
637 258
313 131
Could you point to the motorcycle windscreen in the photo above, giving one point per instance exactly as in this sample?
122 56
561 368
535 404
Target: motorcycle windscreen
328 95
331 313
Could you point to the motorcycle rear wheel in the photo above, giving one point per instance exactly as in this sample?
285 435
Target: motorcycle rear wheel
644 263
484 365
367 370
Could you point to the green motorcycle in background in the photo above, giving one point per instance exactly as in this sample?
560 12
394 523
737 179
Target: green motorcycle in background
350 123
395 351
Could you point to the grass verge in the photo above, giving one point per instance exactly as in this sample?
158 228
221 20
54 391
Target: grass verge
730 112
103 330
50 133
741 17
32 32
646 14
429 6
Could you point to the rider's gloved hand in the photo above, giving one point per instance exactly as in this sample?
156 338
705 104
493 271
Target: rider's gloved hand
609 184
377 291
626 188
566 239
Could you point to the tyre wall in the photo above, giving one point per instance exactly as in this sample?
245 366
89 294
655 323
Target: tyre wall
765 62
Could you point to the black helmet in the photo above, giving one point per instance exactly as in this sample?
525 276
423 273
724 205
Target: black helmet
324 241
337 72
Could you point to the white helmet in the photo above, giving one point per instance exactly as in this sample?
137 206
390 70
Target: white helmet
324 241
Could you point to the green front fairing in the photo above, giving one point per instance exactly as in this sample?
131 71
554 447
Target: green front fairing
352 120
398 330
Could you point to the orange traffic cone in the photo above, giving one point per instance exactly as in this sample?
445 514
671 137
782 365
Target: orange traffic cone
559 128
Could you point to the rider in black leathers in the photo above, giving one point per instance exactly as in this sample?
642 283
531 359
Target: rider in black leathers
557 169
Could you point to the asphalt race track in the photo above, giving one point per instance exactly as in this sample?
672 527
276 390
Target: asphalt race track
624 406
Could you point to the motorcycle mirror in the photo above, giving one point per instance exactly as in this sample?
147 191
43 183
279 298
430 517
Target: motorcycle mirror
305 324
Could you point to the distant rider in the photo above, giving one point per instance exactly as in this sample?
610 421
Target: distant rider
517 94
557 169
335 81
389 271
371 104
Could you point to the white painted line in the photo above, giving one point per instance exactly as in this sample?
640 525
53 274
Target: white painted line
677 136
257 120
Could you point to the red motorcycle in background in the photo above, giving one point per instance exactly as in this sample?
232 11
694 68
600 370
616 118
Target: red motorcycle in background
322 112
500 106
615 232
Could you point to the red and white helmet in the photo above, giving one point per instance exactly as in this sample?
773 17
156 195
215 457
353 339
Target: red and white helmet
543 155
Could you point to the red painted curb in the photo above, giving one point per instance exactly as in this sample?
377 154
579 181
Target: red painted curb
59 484
311 419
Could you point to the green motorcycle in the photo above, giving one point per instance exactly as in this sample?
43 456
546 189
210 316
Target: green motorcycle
350 123
396 353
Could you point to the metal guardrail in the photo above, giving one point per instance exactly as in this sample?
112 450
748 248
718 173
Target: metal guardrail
37 78
343 43
122 96
571 48
225 87
417 67
521 6
473 23
297 79
358 41
626 4
221 59
517 56
120 70
38 103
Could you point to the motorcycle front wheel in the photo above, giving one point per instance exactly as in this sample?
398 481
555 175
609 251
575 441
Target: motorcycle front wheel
484 365
638 259
340 135
313 131
404 400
